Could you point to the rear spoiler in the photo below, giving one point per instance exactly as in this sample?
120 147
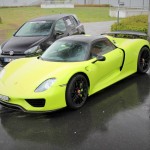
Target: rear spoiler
127 34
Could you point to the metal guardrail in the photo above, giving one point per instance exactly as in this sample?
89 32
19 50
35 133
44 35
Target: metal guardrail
126 12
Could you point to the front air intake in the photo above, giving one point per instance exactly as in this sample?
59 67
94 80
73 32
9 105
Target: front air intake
36 102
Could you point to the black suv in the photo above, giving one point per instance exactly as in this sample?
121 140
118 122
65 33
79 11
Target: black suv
36 35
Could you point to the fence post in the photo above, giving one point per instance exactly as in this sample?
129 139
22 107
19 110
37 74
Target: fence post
118 12
0 20
149 19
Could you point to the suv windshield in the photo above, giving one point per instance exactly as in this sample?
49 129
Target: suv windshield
66 51
40 28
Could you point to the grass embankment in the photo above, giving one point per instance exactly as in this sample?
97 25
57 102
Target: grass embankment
133 23
12 18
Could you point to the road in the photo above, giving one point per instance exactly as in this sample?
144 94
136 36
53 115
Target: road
97 28
117 118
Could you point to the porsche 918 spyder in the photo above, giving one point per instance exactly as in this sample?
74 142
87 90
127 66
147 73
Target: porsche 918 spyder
70 70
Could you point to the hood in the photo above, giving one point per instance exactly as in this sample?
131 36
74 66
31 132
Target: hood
28 73
20 44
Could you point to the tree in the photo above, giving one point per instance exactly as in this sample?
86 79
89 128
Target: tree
0 20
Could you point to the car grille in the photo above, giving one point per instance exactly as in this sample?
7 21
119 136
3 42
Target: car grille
15 53
36 102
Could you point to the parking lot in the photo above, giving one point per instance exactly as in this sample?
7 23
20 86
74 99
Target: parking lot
116 118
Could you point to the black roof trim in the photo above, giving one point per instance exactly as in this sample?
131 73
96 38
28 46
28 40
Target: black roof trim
83 38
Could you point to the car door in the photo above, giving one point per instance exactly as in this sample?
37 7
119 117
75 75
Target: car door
60 29
71 25
79 28
106 71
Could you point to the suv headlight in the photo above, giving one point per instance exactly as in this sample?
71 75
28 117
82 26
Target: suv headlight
45 85
2 72
33 50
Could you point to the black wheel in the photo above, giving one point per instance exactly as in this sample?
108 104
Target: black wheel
77 91
143 60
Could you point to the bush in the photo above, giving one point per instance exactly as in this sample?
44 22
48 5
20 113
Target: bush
134 23
92 5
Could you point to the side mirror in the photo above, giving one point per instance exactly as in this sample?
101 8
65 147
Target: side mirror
58 34
99 58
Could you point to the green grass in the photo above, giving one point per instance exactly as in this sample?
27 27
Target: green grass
133 23
12 18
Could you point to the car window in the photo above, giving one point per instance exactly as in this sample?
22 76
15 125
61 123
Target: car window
101 47
70 21
60 25
66 51
74 21
39 28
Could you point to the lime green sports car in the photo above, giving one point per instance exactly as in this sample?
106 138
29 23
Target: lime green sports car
70 70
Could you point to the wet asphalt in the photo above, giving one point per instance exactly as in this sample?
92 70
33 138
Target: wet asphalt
116 118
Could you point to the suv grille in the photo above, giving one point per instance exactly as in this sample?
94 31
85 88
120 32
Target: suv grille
15 53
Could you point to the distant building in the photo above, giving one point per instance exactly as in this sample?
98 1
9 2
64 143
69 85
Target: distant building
127 3
12 3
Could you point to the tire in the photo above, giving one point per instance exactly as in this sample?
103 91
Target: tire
143 60
77 91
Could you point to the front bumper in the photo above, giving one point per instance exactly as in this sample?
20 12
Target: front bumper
5 59
37 102
12 106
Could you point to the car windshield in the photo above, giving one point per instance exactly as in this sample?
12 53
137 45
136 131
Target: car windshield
40 28
66 51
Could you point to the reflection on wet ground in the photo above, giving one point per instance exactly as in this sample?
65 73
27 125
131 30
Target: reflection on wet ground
116 118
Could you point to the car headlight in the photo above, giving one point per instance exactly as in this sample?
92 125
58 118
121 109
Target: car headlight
33 50
2 72
45 85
